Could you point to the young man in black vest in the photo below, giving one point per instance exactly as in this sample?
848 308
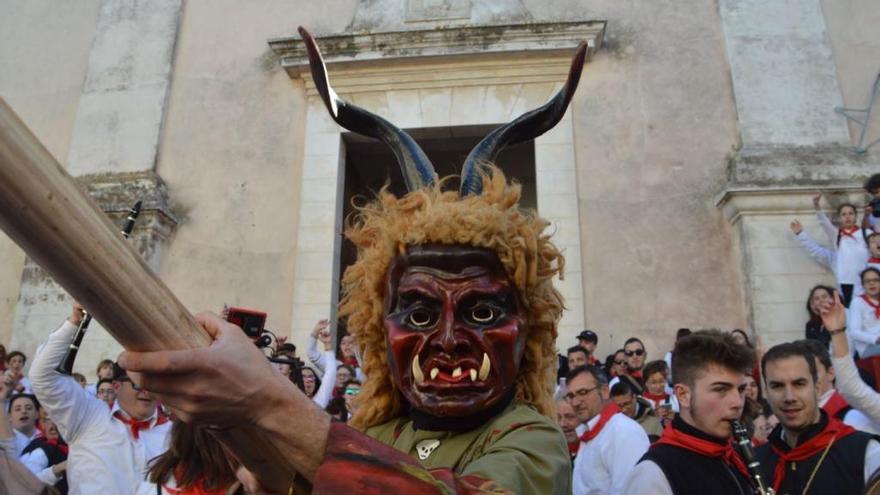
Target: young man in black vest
809 451
695 455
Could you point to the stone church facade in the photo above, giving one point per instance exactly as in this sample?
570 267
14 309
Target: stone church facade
699 131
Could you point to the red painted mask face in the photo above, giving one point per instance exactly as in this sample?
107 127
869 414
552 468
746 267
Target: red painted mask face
455 329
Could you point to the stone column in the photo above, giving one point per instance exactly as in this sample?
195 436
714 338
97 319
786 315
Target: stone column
113 152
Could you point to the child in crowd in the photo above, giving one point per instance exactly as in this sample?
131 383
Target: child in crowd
103 371
14 373
874 249
863 317
656 375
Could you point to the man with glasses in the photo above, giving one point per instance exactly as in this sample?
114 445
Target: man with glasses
109 446
611 443
634 356
105 391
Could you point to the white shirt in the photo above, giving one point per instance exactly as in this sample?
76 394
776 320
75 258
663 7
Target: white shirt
853 417
852 252
104 458
856 392
863 327
603 463
38 464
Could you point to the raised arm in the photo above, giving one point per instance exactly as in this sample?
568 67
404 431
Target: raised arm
69 405
325 391
319 332
819 253
848 382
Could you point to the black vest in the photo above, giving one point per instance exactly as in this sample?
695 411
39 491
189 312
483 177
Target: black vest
842 472
690 473
53 454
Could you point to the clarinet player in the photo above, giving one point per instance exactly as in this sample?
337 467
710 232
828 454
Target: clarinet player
695 455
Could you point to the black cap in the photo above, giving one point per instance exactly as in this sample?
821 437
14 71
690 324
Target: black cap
589 336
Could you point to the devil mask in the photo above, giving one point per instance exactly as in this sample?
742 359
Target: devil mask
455 329
451 296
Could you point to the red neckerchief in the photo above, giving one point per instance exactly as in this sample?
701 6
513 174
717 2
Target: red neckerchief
136 426
351 361
835 404
607 413
757 443
656 399
55 442
198 488
677 438
872 259
875 305
849 232
636 374
834 430
573 447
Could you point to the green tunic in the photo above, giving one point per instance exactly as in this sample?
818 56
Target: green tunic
520 449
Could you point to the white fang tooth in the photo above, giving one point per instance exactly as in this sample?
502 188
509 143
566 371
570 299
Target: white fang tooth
485 367
434 372
473 373
456 372
418 376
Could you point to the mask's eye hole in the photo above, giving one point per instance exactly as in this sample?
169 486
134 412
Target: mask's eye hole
482 314
420 318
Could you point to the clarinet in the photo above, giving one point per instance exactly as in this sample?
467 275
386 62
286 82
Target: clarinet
744 447
66 365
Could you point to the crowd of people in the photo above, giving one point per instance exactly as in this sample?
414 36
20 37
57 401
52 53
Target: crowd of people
445 384
632 424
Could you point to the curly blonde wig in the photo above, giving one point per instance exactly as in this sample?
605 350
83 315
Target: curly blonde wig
384 228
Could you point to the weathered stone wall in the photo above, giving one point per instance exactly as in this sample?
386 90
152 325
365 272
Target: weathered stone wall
658 123
44 48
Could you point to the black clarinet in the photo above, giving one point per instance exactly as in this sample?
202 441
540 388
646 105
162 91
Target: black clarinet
66 366
744 447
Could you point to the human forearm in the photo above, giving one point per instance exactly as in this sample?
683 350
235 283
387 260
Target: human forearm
300 426
65 401
856 392
839 345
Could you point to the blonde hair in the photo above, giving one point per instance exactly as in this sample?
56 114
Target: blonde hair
385 227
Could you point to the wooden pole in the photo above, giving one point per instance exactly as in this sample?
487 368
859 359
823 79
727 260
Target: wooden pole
47 214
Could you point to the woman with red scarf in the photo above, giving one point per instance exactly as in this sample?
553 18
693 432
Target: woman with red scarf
864 315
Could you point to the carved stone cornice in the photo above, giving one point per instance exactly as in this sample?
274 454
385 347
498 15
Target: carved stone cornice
444 57
115 194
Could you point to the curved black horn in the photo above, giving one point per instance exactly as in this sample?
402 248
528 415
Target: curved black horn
414 164
527 126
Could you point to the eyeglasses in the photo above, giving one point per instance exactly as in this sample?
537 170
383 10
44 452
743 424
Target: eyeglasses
637 352
109 391
581 393
871 281
135 386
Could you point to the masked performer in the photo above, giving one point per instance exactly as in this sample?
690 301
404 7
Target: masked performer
453 307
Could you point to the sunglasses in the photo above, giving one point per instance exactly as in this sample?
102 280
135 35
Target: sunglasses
637 352
352 391
619 363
